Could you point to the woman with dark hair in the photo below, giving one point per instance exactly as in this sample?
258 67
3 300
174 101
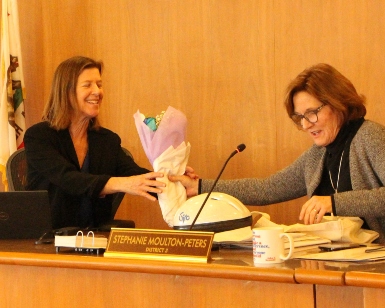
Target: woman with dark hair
80 163
343 173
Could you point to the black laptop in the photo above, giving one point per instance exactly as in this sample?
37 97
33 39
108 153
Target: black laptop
24 214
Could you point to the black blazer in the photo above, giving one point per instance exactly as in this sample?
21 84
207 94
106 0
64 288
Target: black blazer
53 165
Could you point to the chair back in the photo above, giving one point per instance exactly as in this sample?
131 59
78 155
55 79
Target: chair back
16 171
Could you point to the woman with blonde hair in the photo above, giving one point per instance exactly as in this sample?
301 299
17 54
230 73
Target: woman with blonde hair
79 162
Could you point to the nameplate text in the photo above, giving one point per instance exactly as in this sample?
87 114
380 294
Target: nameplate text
173 245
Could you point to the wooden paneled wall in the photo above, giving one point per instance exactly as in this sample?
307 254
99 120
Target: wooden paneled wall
224 63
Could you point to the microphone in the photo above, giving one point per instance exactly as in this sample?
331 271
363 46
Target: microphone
239 149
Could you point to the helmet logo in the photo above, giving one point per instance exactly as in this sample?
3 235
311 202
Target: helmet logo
183 217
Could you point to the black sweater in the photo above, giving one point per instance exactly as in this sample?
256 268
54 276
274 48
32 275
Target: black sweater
53 165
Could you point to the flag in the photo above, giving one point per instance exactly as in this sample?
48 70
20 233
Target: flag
12 116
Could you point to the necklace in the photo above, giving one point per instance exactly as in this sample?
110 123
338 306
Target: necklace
338 176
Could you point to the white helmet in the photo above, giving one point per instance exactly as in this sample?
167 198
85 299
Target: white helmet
221 212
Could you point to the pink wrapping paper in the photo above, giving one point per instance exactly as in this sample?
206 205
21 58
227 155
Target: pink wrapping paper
168 152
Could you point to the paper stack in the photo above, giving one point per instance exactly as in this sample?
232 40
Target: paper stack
371 253
302 242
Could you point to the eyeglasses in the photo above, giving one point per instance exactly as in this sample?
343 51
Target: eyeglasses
310 116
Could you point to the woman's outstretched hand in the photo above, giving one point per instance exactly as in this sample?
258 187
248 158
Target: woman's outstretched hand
140 185
190 180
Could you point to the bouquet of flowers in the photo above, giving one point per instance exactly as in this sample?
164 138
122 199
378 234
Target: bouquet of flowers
163 141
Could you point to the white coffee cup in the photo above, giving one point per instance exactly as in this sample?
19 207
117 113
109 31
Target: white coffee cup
268 245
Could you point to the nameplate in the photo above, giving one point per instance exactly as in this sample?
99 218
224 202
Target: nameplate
173 245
